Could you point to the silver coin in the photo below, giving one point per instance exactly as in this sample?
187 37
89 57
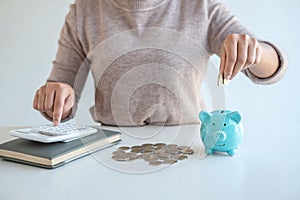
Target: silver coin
161 150
150 155
139 156
164 155
163 159
150 159
173 150
174 156
118 153
132 156
183 147
170 146
120 157
129 154
145 154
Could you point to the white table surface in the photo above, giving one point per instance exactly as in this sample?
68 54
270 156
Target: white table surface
266 167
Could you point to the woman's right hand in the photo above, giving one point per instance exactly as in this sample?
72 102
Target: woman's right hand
55 99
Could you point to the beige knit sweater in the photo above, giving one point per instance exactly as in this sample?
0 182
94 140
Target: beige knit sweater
148 57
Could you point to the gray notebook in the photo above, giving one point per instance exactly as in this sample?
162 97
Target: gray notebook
52 155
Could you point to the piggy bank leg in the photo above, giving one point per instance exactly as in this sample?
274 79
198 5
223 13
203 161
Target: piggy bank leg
231 152
209 151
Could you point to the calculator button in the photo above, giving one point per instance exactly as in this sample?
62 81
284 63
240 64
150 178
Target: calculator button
63 129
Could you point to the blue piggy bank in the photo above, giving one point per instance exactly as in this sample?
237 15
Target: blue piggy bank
221 130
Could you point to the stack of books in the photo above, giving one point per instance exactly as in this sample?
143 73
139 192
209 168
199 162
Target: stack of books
53 155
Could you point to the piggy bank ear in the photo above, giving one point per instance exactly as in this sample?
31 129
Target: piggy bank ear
235 116
203 116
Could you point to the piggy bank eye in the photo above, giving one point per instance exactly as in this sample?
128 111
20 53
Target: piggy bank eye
213 124
224 124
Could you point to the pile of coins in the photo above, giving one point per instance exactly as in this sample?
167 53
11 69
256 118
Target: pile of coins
154 154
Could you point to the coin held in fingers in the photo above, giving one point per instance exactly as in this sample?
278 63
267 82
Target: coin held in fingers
220 80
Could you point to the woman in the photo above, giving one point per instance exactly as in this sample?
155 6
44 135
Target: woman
157 86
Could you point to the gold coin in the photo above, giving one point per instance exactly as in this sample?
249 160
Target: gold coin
124 148
155 163
136 150
170 161
147 145
159 145
187 151
180 157
148 149
136 147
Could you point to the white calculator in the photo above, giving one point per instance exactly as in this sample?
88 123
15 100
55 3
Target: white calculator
64 132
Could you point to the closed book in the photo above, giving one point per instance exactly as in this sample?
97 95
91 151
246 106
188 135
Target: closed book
52 155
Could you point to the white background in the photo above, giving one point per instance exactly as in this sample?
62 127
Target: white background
29 33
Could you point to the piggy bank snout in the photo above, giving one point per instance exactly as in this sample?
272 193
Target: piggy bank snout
219 136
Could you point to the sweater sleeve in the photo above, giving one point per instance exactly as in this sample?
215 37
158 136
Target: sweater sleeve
223 23
69 65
